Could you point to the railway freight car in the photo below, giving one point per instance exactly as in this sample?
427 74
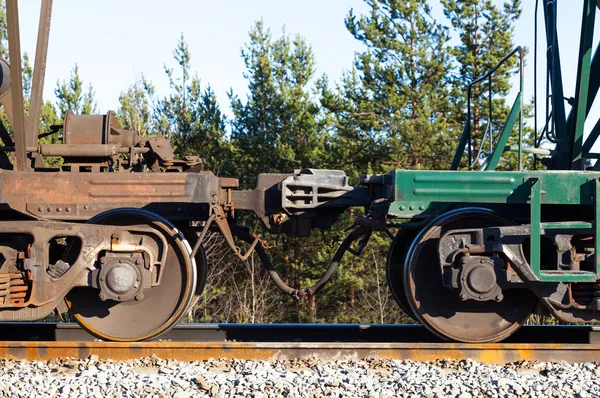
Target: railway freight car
115 234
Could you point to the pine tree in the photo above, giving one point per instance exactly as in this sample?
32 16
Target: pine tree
279 117
392 110
71 96
191 117
486 34
136 107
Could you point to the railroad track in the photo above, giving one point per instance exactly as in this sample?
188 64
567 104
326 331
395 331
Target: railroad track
42 341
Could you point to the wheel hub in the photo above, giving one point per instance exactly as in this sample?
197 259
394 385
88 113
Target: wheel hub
120 279
121 276
478 279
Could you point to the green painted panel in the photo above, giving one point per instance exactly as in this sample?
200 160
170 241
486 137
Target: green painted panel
557 187
566 276
567 225
536 220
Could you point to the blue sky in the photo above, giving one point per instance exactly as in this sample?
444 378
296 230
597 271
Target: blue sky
116 41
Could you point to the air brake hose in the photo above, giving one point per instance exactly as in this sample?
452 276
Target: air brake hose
329 272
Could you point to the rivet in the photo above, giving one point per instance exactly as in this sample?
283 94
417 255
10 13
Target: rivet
40 208
68 209
421 207
120 261
401 208
58 209
49 208
101 278
411 207
119 297
85 207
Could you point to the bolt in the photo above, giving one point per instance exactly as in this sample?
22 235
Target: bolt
119 297
463 297
101 279
481 261
137 262
135 285
139 296
85 207
120 261
137 279
499 297
480 296
102 297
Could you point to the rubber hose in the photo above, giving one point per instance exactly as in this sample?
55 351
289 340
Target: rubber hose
300 293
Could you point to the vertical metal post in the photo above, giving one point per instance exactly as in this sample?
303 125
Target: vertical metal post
597 226
490 114
521 84
555 75
583 81
39 72
469 143
14 51
536 222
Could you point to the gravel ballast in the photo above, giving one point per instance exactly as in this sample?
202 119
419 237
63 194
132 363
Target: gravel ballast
154 377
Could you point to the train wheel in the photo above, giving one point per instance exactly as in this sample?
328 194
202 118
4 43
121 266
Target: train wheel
201 264
161 307
440 309
395 268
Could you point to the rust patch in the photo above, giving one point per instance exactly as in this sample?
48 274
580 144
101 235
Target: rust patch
485 353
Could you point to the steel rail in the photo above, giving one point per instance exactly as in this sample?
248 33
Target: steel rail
198 351
271 333
194 342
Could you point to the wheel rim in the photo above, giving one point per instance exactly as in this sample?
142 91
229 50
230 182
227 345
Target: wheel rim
201 265
440 309
162 306
395 269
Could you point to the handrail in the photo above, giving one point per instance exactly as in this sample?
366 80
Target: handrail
466 134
